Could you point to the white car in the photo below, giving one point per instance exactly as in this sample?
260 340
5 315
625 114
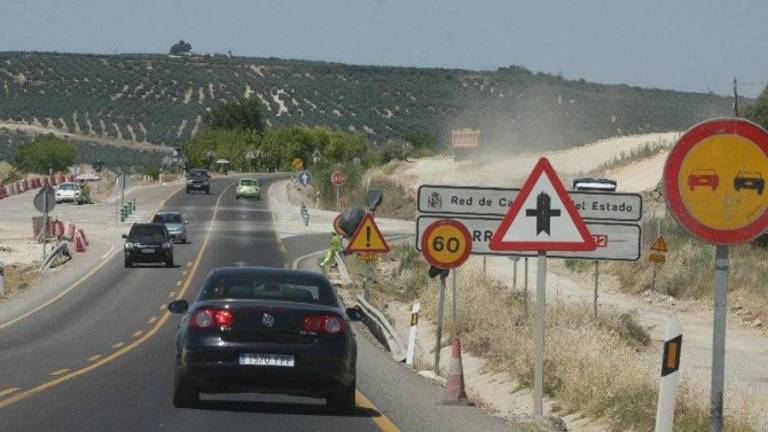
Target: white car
69 192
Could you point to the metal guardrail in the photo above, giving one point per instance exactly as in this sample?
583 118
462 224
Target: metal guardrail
382 329
59 250
344 278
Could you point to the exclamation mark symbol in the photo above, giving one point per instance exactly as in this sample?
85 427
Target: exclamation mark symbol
367 236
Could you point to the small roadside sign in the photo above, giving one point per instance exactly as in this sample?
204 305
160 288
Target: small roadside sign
715 179
297 164
659 245
446 244
657 258
305 178
368 238
338 178
543 217
45 199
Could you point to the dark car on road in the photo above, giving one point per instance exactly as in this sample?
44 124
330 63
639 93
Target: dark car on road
148 243
749 180
266 331
199 180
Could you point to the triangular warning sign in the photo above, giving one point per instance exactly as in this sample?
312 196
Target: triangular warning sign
367 238
542 217
659 245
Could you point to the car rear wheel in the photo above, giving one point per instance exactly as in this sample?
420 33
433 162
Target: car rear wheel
169 262
128 263
184 394
343 400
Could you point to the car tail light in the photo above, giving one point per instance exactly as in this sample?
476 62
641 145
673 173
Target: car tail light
326 324
205 318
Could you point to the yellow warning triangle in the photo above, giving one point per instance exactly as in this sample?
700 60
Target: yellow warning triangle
659 245
368 238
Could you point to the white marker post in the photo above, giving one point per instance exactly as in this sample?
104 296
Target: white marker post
411 353
670 376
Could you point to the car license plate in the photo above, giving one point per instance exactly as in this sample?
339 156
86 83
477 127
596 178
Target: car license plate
277 360
147 251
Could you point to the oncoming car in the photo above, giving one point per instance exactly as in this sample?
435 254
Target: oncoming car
248 188
266 331
69 192
147 243
198 179
175 224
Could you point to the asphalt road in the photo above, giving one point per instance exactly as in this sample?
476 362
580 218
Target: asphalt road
100 358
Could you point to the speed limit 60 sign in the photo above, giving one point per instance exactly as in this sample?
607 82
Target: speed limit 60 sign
446 244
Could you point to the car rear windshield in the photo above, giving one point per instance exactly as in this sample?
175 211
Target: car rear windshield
167 218
197 174
68 186
249 182
255 286
147 231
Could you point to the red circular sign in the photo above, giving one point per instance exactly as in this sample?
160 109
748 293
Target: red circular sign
338 178
446 244
714 181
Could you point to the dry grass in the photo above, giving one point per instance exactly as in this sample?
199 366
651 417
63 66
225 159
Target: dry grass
600 367
19 277
689 270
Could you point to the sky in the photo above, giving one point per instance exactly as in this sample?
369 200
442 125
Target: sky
695 45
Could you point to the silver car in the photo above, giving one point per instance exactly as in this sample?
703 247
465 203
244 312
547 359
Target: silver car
175 224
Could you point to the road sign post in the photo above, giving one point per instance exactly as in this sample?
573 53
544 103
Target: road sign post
542 218
446 244
597 273
44 201
367 242
337 179
714 184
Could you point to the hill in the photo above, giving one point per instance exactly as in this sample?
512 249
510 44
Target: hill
159 99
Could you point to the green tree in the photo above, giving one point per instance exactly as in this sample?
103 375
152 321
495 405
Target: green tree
238 114
45 152
420 139
758 111
181 47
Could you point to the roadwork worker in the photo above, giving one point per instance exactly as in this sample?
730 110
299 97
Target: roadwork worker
334 248
86 192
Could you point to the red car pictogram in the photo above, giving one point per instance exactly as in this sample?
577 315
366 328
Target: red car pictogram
703 177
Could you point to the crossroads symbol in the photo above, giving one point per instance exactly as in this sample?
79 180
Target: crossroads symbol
543 213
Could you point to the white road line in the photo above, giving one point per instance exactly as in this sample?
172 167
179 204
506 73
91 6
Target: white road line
103 257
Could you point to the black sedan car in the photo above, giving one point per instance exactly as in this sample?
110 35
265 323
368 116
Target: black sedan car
198 180
266 331
148 243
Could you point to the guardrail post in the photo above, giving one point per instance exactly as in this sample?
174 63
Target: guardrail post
2 279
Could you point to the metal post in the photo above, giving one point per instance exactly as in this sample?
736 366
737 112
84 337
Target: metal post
366 273
597 271
44 229
525 287
122 196
514 275
538 351
440 309
454 312
484 267
337 197
718 339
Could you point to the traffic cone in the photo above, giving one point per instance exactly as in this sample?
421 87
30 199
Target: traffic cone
79 241
454 386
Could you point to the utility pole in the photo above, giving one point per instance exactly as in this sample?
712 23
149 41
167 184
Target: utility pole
735 98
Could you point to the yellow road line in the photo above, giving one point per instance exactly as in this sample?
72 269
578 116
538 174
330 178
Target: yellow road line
383 422
74 285
151 320
128 348
94 358
59 372
138 333
8 391
118 345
